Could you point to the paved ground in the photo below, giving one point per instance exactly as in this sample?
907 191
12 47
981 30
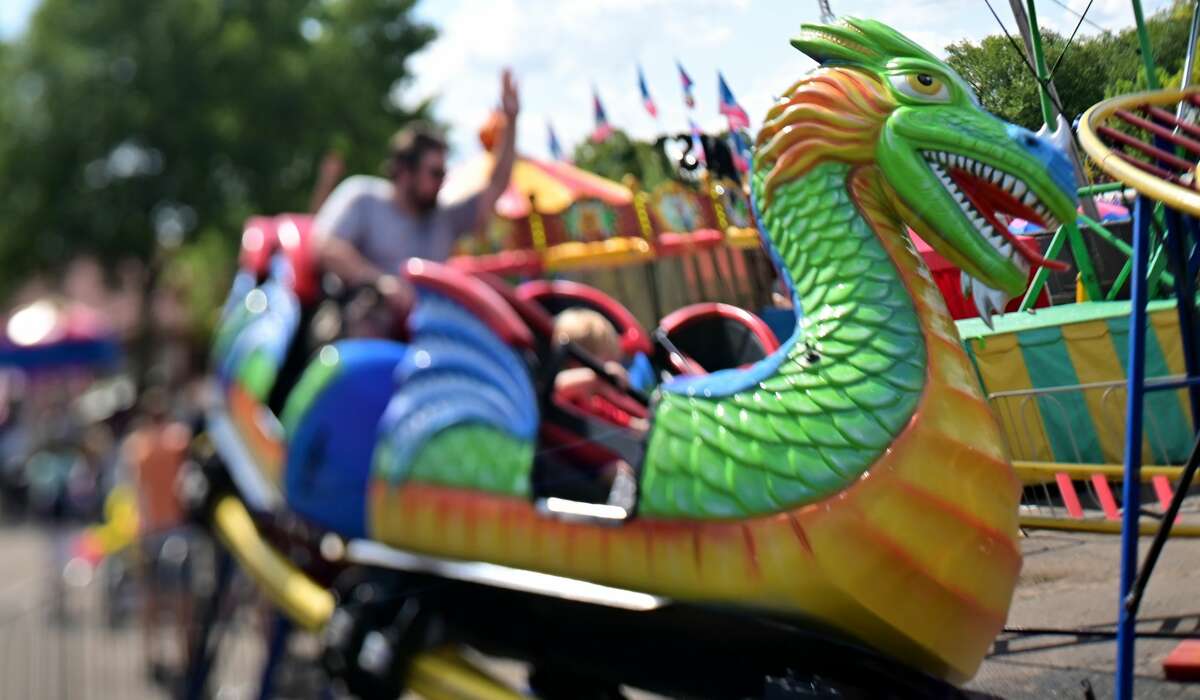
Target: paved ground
54 642
1070 580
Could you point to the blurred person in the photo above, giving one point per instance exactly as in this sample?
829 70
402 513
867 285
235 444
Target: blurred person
154 453
370 226
596 335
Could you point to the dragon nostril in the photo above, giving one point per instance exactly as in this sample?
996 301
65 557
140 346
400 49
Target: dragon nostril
1031 141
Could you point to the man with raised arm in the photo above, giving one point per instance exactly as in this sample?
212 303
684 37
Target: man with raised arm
370 226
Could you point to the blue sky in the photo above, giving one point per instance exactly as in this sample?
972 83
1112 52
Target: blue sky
560 48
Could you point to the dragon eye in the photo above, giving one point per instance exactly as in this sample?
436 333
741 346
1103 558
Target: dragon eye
925 87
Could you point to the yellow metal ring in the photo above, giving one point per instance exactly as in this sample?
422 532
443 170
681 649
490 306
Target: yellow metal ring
1180 198
1104 527
1045 472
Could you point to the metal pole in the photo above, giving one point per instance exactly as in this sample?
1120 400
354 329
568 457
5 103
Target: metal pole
1190 60
1039 277
1144 44
1176 245
281 630
1134 601
1131 491
1034 44
1101 188
827 16
1026 18
203 648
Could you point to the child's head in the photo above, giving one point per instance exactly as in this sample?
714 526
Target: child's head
591 331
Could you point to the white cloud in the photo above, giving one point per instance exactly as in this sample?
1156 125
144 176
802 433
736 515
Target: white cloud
559 49
14 16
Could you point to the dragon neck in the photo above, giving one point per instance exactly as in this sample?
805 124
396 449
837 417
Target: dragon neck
808 421
848 261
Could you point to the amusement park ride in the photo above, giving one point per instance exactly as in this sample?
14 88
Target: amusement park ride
830 514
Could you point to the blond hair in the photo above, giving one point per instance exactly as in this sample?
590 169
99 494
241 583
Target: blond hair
590 330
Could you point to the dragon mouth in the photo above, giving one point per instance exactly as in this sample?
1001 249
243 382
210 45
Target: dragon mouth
983 191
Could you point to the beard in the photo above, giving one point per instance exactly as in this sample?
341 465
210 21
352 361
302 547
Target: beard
422 204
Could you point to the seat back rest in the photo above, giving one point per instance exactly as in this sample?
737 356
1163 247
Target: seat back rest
693 313
259 242
558 295
532 313
296 240
474 294
719 336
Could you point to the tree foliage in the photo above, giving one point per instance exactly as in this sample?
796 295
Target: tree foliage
1093 68
619 155
126 119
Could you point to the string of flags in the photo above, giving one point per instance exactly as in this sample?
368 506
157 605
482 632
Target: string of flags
727 106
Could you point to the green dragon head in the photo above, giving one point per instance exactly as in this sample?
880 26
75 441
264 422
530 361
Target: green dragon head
948 167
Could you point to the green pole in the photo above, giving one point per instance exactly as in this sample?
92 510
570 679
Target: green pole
1039 277
1101 188
1083 261
1144 43
1039 62
1120 281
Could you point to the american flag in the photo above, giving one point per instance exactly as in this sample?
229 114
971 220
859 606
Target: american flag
738 119
686 80
556 151
647 100
603 129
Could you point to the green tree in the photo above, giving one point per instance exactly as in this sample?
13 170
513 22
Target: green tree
125 119
619 155
1093 68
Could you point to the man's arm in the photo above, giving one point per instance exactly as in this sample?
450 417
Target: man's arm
331 170
502 172
340 257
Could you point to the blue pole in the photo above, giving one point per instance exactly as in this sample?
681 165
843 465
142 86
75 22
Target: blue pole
200 663
281 629
1131 492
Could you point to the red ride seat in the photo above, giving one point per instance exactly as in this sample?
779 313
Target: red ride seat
295 235
713 336
474 294
556 296
291 236
259 243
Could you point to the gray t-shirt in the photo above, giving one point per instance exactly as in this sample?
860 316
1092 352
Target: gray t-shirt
361 211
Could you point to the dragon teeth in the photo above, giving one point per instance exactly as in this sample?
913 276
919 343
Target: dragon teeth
988 300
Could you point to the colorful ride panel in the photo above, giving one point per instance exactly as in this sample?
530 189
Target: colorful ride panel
853 476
